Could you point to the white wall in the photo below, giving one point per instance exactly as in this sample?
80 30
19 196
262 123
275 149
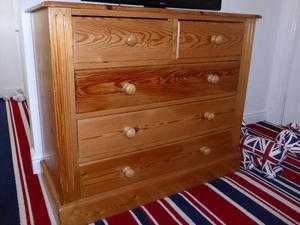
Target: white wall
265 40
292 97
263 51
282 69
11 73
30 83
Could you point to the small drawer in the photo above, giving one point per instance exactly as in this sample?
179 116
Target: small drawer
133 87
210 40
114 173
113 135
102 40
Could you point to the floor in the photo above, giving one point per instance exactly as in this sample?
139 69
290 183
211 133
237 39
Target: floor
245 196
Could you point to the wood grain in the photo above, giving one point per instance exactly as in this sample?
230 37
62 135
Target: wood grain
107 174
41 41
88 210
103 137
102 89
167 55
105 40
195 39
243 79
62 70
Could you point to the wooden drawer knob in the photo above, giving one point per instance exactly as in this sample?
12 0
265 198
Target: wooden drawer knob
205 150
131 40
129 132
209 115
218 39
128 88
128 172
213 78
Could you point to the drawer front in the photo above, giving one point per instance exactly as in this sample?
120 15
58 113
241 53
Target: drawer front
106 89
108 40
113 135
114 173
210 39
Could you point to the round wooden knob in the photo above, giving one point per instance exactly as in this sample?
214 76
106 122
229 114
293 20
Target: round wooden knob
218 39
209 115
131 40
128 88
210 78
129 132
205 150
213 78
128 172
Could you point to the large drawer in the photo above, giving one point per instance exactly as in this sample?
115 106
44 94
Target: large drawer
212 40
106 89
113 135
106 175
111 40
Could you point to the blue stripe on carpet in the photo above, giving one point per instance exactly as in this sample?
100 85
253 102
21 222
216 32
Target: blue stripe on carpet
100 222
291 167
189 210
142 217
251 206
274 182
9 212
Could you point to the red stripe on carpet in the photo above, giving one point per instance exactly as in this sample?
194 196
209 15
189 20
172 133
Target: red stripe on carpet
291 175
271 188
220 206
125 217
201 208
39 209
19 164
160 214
293 161
173 212
279 206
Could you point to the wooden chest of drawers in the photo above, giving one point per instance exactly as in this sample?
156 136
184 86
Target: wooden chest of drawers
137 103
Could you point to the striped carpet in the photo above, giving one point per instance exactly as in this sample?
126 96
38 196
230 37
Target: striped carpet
242 197
22 200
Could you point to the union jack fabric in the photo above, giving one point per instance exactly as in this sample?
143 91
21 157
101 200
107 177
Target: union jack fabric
244 129
294 127
290 141
263 154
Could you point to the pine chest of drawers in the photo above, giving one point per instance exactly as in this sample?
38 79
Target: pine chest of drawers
137 103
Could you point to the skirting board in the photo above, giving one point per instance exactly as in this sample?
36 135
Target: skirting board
253 117
36 165
16 93
36 162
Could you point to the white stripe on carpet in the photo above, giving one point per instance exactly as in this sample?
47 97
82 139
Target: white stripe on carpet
179 211
50 207
21 205
169 212
250 215
22 168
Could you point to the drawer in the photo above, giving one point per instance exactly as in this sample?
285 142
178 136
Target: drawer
112 88
108 40
210 40
114 173
107 136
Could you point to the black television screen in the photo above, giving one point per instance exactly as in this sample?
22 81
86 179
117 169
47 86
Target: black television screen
187 4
